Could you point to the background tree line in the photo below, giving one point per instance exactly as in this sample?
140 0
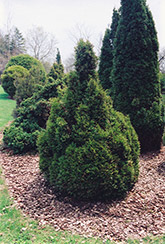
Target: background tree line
38 43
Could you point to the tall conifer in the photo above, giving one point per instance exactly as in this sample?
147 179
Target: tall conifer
135 73
106 57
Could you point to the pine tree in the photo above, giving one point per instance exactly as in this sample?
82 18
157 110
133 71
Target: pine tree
18 41
106 57
14 42
88 150
136 84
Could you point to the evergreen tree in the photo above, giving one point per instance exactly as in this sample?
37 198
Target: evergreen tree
136 84
88 150
14 42
106 57
58 57
86 61
18 42
57 70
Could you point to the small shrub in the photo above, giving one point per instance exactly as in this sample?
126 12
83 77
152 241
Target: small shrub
21 75
31 119
10 76
18 140
93 158
88 150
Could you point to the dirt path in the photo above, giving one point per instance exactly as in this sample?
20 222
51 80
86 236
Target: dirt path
140 214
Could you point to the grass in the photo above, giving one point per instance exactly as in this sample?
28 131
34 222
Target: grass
6 107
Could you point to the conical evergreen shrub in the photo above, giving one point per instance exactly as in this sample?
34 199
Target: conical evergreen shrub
135 77
57 70
88 150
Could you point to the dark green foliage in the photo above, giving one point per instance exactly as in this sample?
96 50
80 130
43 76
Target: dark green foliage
10 76
135 78
18 140
86 60
106 57
28 62
31 118
88 150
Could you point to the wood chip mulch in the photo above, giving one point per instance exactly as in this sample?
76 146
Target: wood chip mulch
140 214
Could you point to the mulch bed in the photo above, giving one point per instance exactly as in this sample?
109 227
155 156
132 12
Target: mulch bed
140 214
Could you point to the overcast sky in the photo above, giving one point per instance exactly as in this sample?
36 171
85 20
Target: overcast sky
60 18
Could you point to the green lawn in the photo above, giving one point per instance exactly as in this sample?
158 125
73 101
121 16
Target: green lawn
6 108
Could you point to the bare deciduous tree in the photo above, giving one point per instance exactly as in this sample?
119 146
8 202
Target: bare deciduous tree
80 31
69 63
41 44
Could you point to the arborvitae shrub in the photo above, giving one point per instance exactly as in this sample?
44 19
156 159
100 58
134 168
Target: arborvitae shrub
136 84
88 150
31 118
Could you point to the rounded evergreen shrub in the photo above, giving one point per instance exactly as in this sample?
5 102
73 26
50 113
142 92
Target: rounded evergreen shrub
10 77
19 140
21 75
88 150
28 63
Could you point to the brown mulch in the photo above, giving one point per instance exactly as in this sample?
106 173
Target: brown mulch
140 214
